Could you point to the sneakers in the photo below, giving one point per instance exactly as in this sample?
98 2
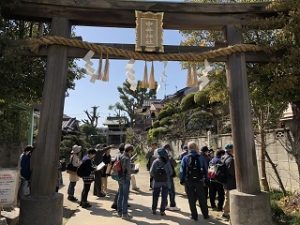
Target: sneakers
194 218
113 206
126 217
154 212
101 195
174 208
72 198
86 205
162 213
206 217
136 189
225 216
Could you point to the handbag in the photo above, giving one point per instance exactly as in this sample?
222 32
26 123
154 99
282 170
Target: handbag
71 167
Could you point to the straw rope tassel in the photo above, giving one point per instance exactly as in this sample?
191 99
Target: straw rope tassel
99 72
189 82
152 85
145 80
106 70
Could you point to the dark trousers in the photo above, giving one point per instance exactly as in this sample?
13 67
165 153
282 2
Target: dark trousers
97 184
164 196
71 188
196 191
172 194
151 181
85 192
115 203
214 188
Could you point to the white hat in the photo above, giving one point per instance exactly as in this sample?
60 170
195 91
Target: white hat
76 149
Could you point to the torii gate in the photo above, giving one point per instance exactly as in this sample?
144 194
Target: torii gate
248 204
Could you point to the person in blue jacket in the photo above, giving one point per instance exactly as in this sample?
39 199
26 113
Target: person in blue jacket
193 175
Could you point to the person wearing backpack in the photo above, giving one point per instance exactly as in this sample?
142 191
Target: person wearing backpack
193 173
230 184
124 182
75 162
161 171
121 151
215 186
150 157
86 171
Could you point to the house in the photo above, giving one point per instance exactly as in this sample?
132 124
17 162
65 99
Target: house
70 125
116 132
145 114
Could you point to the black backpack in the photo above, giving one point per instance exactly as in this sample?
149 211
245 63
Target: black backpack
218 172
160 173
194 171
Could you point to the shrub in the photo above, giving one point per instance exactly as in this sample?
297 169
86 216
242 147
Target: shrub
201 98
156 124
188 102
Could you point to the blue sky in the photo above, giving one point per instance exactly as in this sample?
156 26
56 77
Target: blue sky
103 94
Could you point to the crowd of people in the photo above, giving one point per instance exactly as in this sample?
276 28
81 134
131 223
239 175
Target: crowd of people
195 165
200 172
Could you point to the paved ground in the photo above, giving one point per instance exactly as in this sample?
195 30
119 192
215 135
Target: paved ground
101 213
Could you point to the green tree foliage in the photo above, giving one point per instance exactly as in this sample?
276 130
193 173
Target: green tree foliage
22 77
188 102
272 86
286 72
66 145
132 100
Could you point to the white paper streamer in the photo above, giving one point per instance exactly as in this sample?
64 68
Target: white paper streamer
163 77
130 73
106 70
204 81
207 68
99 72
88 56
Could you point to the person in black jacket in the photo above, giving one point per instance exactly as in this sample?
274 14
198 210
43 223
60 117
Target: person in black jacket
216 187
230 177
97 160
88 177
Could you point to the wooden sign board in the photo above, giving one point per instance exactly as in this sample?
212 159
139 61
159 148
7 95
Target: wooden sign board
9 183
149 32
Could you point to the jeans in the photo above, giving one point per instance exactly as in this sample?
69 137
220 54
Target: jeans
164 196
71 188
123 196
172 194
196 191
85 192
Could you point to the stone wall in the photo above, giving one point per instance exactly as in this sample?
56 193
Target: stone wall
287 166
10 154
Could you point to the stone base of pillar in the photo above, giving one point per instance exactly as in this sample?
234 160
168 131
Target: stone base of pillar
46 210
3 221
246 209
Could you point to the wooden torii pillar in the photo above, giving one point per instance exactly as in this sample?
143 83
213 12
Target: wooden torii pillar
248 205
44 206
